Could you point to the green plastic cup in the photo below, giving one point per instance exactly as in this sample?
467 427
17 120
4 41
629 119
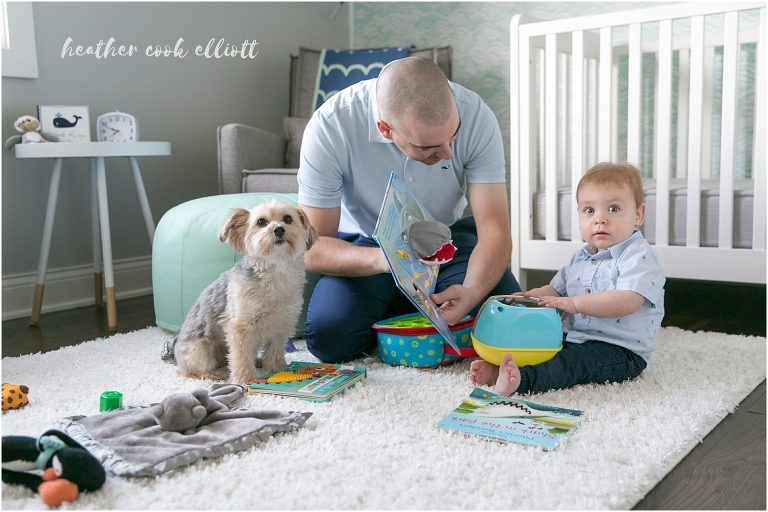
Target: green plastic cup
110 400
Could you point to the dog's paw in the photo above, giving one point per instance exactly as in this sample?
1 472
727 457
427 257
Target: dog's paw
244 377
242 381
271 362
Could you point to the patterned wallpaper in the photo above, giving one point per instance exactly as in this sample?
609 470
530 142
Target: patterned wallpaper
479 35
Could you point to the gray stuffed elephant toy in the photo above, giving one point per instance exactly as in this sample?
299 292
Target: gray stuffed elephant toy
182 412
186 413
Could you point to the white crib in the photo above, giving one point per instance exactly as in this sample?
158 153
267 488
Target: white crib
705 198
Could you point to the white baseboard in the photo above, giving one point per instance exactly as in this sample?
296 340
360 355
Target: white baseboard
72 287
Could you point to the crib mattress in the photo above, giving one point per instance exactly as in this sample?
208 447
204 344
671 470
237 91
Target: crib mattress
710 204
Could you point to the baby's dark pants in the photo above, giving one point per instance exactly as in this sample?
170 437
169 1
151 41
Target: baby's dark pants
581 363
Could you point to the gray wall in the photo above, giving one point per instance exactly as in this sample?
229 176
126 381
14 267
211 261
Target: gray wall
176 100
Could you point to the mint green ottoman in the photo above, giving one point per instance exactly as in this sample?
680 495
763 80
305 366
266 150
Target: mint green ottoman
187 255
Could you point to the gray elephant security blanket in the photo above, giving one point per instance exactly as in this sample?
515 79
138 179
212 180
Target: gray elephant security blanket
184 427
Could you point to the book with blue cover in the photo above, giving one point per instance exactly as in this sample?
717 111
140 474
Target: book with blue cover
316 382
400 217
506 419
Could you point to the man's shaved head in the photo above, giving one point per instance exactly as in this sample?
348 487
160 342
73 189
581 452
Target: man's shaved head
414 89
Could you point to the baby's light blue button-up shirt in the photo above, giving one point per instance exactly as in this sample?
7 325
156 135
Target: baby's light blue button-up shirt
630 265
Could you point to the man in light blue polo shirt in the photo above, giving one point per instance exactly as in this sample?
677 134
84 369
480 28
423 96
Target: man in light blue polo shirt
444 142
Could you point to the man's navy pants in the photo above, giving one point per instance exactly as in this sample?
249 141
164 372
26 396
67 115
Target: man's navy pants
342 309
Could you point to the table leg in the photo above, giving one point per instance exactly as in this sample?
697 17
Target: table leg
106 243
98 272
50 214
143 198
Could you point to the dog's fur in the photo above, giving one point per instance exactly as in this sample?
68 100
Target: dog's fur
244 318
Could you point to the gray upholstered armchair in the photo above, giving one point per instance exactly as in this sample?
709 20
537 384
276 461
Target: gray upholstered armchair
254 160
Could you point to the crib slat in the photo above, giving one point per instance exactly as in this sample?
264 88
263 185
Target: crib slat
563 142
527 147
663 134
758 147
514 141
707 111
728 129
695 112
550 112
683 87
605 95
578 122
539 86
592 94
634 85
614 107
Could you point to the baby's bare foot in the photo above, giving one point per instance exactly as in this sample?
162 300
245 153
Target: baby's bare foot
509 376
483 373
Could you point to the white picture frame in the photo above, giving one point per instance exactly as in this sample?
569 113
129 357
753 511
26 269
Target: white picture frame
70 123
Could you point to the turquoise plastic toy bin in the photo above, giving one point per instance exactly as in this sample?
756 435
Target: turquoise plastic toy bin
531 334
411 340
187 255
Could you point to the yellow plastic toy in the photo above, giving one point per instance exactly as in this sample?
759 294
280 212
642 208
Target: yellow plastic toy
287 377
517 325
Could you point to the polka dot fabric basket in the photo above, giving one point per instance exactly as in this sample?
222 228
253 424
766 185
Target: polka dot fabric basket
411 340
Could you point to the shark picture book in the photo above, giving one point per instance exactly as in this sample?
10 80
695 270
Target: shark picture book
506 419
414 245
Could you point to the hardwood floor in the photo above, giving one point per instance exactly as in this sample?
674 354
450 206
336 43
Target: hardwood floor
725 471
64 328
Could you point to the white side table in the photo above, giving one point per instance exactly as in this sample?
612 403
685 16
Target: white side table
102 242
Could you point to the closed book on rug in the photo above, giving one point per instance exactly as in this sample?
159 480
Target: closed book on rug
508 419
316 382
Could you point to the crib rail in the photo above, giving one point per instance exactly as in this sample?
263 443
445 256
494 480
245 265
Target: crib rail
570 121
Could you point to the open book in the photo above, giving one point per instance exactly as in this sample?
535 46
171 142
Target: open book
400 212
508 419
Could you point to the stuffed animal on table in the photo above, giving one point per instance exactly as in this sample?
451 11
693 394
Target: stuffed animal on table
31 132
14 396
68 467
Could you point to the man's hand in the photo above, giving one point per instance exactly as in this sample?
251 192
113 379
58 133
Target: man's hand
455 302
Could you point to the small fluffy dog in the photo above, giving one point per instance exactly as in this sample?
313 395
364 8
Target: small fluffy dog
244 317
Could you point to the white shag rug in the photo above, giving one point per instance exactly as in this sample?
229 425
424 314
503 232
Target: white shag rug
376 447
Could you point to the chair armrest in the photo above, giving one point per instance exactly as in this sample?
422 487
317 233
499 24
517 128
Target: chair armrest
281 181
243 147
